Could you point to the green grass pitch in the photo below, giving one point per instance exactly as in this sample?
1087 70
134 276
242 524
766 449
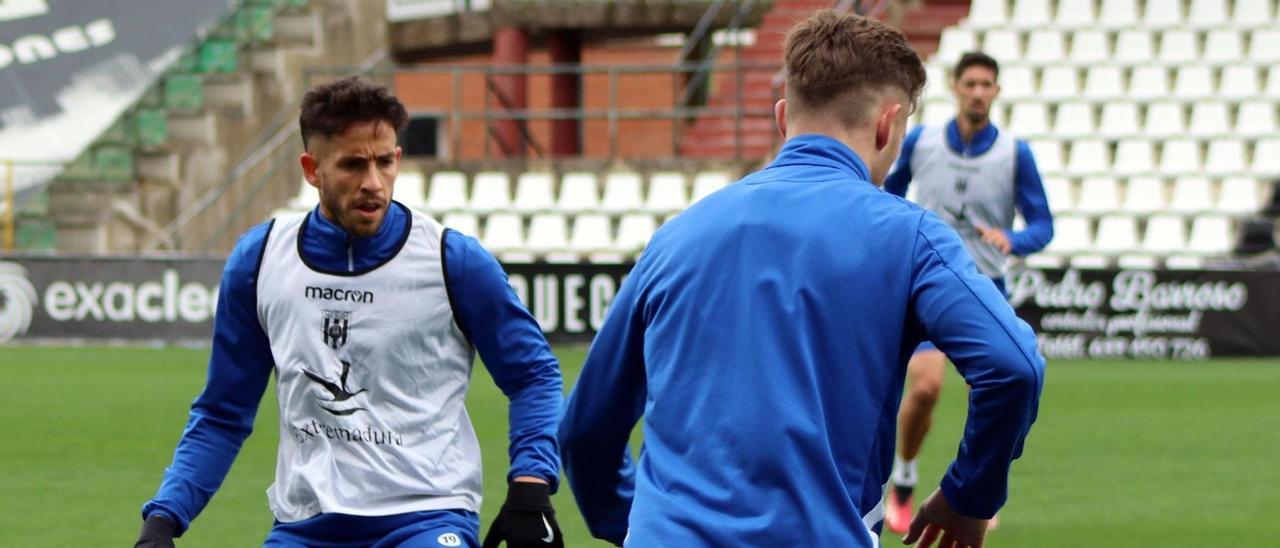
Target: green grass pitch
1123 454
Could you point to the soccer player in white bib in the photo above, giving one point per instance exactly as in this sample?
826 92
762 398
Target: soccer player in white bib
973 175
369 315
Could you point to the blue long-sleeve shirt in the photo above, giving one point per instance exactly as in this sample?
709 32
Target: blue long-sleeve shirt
1028 187
506 336
764 336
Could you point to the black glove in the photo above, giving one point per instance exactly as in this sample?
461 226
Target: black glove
526 520
157 532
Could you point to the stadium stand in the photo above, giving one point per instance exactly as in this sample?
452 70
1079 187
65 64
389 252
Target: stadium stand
1165 148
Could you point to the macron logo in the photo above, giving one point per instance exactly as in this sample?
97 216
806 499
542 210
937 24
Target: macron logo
341 295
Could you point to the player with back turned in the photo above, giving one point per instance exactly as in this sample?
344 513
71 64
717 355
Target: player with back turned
764 333
974 176
369 315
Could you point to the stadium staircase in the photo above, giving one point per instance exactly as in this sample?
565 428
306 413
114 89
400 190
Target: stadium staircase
218 103
757 89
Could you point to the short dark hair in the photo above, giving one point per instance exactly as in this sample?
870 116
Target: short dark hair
841 57
975 59
330 108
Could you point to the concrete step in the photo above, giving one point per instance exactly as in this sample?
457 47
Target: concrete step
193 129
300 28
159 167
231 95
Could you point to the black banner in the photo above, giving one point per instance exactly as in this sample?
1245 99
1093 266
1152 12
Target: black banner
171 300
1150 314
1104 314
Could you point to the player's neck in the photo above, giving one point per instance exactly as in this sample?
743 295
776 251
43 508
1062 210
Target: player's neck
969 129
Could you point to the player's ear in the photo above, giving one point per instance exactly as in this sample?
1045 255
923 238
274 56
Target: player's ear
886 123
309 165
780 116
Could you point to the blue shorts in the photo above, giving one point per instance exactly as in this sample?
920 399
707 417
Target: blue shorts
928 346
431 529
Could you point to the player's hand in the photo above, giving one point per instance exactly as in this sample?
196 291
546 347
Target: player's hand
527 519
936 520
157 532
995 237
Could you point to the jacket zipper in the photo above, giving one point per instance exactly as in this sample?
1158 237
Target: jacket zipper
351 260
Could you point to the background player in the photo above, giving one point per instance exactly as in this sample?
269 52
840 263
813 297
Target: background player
369 314
973 176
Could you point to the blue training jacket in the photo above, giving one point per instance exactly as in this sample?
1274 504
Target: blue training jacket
506 336
1028 188
764 336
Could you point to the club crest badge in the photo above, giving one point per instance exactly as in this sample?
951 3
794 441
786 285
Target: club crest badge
336 326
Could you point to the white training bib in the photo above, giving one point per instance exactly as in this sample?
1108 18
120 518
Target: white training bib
371 374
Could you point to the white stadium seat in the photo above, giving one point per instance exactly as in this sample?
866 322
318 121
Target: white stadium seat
1162 13
1143 195
1239 82
936 82
1090 46
954 42
578 192
666 193
1225 157
1017 82
1273 82
1057 191
1059 82
1098 195
1223 46
1209 119
1266 157
1264 45
1134 157
634 232
1256 118
1118 13
1164 120
707 182
1117 234
490 192
1252 13
1239 196
988 13
622 192
1071 234
1075 15
448 192
411 190
1206 14
1149 82
466 223
1119 120
1191 194
1134 46
1210 234
1164 234
1029 119
1074 120
548 233
938 112
1030 14
1194 82
503 232
1045 46
1104 82
533 192
308 196
1003 44
1179 46
592 233
1048 155
1180 156
1088 157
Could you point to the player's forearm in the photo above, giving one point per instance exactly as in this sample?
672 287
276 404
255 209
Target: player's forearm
534 417
1033 238
200 463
